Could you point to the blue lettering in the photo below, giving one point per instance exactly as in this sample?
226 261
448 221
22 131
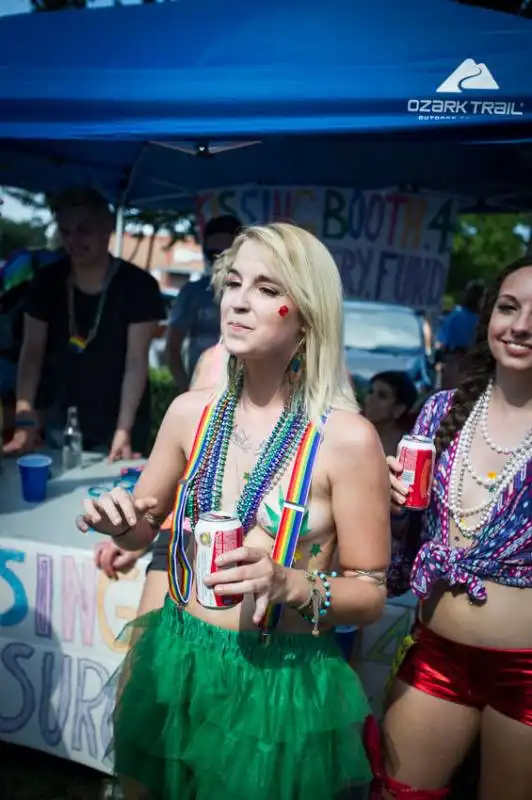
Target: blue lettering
356 214
365 261
9 658
386 257
401 285
83 719
436 285
346 262
51 722
19 609
417 280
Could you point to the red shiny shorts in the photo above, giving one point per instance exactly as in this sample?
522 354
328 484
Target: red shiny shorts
470 676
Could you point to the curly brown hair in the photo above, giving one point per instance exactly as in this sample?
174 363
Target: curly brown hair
480 363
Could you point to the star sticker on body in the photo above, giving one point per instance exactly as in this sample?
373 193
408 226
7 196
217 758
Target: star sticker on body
298 555
315 550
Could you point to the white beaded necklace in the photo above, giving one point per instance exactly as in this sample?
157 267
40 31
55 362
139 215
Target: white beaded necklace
496 485
504 451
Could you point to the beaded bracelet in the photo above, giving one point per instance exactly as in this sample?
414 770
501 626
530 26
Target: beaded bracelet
319 603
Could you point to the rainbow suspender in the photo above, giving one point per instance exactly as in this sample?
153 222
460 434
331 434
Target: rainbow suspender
179 570
294 508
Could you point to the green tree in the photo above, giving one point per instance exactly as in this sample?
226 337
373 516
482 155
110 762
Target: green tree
16 235
483 245
178 225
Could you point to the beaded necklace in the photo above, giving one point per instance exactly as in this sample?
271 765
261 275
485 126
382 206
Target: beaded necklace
496 485
275 455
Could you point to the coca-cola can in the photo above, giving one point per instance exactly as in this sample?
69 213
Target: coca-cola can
417 455
215 534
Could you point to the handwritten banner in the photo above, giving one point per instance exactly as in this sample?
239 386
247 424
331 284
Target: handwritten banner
59 619
389 246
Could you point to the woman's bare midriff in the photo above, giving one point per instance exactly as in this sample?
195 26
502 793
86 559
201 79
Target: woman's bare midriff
504 621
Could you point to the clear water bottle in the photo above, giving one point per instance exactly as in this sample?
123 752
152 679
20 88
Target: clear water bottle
72 441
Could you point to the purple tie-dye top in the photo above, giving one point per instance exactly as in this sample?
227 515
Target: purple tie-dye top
503 552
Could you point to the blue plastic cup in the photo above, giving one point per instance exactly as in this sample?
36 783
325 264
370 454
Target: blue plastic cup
345 638
34 474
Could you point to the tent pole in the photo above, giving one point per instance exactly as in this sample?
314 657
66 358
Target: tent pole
121 205
119 232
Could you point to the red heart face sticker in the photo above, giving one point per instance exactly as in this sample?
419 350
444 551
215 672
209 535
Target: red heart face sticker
283 311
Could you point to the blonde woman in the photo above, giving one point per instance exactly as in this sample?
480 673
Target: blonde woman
212 707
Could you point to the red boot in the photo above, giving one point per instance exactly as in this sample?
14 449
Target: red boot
381 781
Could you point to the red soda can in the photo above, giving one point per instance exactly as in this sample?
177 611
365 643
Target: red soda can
417 456
215 534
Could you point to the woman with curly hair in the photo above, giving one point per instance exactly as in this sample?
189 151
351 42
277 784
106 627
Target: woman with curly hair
468 664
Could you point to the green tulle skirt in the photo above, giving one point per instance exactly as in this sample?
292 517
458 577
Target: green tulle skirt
204 714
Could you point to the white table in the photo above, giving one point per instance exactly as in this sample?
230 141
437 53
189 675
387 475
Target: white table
59 618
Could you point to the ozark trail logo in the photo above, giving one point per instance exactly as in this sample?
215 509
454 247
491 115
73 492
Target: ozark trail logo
469 76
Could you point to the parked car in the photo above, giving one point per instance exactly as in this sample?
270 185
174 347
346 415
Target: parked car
381 336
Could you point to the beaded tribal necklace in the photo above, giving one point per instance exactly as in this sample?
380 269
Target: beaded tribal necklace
275 455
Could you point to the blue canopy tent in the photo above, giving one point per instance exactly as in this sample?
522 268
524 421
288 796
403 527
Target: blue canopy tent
153 103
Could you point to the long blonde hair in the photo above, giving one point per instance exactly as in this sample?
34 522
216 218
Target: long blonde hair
310 275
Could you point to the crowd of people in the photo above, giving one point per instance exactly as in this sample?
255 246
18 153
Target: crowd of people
255 699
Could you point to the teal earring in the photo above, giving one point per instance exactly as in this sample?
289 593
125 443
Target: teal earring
295 364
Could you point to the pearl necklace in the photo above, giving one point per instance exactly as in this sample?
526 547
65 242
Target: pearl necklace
496 487
503 451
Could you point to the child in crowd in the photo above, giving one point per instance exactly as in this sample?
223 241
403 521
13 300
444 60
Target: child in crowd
390 398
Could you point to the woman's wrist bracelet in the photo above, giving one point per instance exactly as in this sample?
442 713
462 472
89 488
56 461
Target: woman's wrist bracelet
318 603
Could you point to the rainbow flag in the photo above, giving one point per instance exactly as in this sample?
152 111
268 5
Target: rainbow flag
22 265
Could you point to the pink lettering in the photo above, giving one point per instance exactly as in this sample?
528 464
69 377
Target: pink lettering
79 597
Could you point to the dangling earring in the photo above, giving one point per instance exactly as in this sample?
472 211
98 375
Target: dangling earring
234 374
296 376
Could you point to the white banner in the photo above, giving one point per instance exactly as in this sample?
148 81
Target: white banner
389 246
59 619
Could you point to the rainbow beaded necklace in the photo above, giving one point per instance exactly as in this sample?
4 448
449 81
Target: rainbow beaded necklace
275 455
204 473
